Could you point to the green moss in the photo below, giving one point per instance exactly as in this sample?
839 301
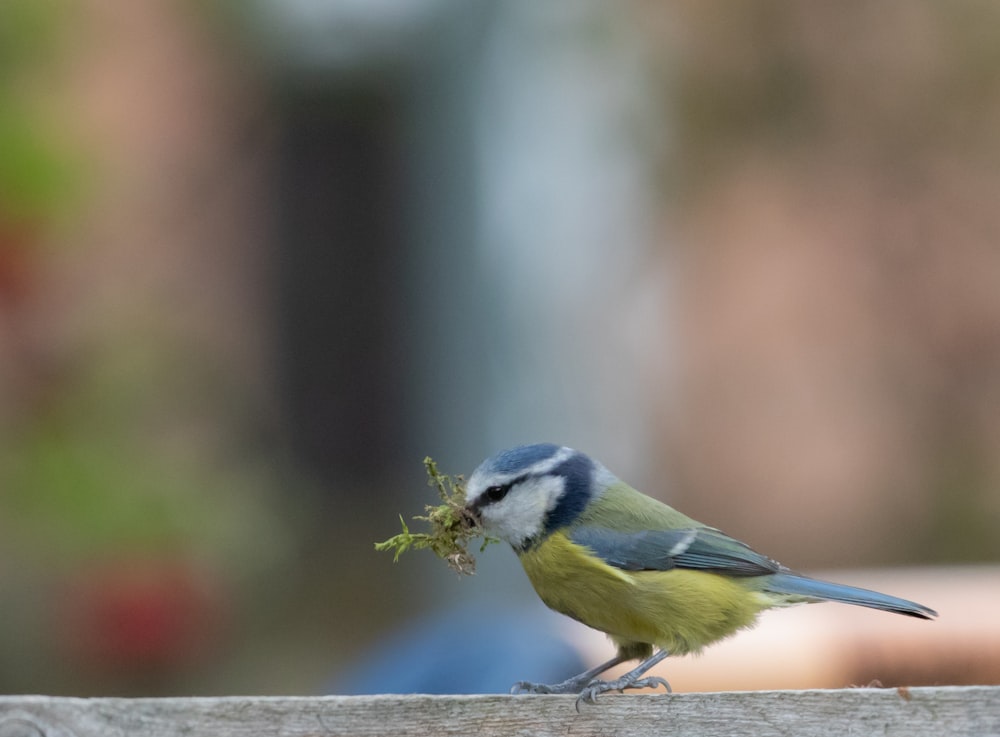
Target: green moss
452 526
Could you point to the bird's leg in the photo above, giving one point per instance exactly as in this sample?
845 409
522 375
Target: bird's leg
632 679
571 685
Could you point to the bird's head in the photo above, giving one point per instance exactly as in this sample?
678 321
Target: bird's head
523 494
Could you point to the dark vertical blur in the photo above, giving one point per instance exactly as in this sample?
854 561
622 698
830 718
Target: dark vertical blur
340 280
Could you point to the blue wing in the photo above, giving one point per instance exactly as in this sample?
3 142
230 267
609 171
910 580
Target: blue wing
709 550
704 549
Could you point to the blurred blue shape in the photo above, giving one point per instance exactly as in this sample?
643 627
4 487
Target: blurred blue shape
473 649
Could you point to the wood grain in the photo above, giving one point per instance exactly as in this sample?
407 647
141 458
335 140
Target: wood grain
956 711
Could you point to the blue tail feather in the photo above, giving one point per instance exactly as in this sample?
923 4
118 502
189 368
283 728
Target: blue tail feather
794 585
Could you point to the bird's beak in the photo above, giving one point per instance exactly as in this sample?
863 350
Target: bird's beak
471 518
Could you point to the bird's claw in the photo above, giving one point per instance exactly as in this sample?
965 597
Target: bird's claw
589 694
653 682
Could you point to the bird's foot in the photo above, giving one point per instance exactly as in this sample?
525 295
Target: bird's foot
589 687
593 689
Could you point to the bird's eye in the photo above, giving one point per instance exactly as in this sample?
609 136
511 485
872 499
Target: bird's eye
496 493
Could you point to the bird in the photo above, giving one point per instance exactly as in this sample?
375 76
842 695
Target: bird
656 581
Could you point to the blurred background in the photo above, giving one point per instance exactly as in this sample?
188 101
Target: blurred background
257 259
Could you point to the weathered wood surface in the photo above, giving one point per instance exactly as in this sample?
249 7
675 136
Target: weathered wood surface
972 710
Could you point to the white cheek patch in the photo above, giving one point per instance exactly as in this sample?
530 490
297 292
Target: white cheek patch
522 513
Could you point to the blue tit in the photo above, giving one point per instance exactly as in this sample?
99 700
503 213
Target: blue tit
654 580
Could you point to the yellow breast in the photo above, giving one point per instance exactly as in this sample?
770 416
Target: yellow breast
680 611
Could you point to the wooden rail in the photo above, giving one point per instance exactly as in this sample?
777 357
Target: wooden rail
913 712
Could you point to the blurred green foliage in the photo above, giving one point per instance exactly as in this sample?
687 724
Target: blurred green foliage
97 494
135 452
28 32
36 176
37 173
123 437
